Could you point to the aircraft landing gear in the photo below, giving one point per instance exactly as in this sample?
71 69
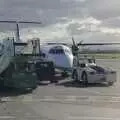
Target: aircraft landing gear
64 74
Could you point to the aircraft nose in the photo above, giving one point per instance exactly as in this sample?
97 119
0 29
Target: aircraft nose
70 61
65 61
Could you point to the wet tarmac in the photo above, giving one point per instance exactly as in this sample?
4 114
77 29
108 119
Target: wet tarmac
65 100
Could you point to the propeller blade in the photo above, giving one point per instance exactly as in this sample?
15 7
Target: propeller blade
79 43
73 41
74 47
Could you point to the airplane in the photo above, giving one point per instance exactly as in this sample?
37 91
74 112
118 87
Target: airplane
62 54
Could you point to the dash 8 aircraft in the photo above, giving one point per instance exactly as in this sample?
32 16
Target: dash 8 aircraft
60 54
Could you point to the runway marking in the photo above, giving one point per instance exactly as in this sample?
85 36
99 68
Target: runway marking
65 99
71 98
91 91
90 118
7 117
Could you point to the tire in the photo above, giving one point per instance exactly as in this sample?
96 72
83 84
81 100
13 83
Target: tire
84 79
64 74
75 76
110 83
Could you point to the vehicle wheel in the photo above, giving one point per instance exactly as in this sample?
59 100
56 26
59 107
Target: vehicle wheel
110 83
84 79
53 81
75 76
64 74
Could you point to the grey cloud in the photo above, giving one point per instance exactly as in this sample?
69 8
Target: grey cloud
103 9
47 11
112 22
25 8
51 12
73 29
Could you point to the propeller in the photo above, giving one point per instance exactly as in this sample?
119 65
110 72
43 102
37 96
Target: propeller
74 47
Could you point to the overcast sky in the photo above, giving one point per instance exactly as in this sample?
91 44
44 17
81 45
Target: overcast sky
88 20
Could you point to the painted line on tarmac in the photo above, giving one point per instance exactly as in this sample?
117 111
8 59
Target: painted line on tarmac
7 117
92 91
90 118
65 99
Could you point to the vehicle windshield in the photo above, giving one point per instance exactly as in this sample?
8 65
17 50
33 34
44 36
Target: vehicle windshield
59 59
91 61
97 68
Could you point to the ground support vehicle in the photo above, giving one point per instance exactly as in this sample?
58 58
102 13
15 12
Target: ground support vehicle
45 70
92 73
20 74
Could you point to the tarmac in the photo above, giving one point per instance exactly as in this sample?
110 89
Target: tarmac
65 100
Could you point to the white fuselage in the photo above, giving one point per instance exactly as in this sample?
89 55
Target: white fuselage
61 55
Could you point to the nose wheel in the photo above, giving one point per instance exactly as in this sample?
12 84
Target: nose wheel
75 76
64 74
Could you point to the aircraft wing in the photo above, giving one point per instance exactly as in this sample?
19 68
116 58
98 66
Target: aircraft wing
92 44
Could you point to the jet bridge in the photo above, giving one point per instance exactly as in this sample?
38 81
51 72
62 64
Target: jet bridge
15 70
7 54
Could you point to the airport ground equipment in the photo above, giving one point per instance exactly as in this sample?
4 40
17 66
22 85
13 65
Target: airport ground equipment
86 72
20 74
45 70
16 71
13 66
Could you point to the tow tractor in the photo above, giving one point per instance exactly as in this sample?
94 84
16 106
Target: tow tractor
87 71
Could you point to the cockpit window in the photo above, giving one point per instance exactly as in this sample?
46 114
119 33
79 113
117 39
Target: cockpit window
97 68
67 51
56 51
59 51
52 51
